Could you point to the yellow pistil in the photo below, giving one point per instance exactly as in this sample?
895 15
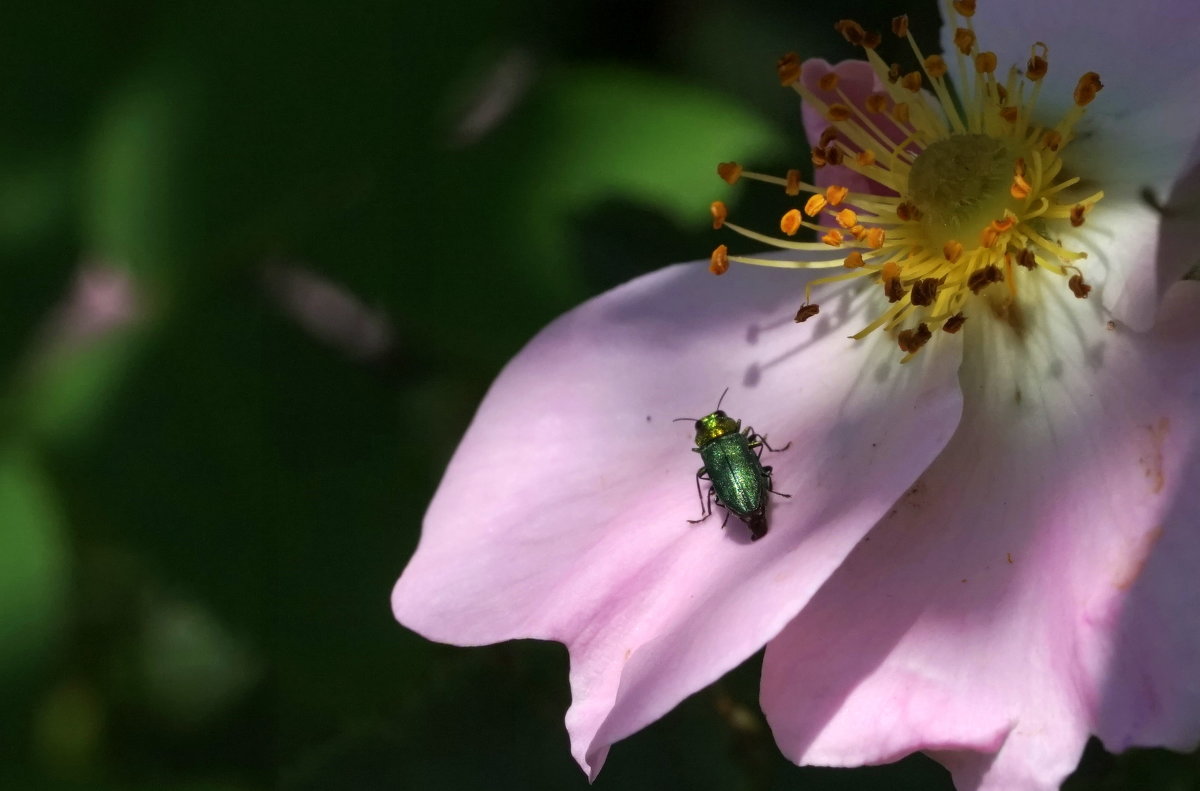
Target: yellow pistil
970 193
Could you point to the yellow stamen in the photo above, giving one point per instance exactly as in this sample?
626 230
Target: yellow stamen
789 69
719 262
1085 91
730 171
964 39
969 187
719 213
846 218
834 238
791 222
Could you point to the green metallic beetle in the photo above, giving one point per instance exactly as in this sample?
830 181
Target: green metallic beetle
732 464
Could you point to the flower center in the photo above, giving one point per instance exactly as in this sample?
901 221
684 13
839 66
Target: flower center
966 193
959 183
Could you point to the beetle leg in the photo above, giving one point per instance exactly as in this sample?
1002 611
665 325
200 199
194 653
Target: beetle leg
767 472
757 439
705 505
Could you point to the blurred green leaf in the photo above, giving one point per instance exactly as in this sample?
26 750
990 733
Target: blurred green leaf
64 393
613 133
641 136
135 201
33 565
499 217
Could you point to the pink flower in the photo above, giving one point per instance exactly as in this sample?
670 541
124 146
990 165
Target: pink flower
990 549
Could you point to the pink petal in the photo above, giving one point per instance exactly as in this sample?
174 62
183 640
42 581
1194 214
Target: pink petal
563 513
1001 611
1141 134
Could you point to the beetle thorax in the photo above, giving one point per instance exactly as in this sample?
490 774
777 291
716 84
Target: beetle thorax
714 425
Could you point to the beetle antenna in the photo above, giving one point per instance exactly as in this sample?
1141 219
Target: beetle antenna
722 398
676 420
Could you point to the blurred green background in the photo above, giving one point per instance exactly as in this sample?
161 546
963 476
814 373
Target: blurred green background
252 254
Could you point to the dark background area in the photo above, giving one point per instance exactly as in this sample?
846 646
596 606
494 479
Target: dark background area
252 257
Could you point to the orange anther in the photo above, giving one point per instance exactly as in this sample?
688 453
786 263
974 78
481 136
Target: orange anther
1037 66
791 222
875 238
988 237
838 112
789 69
1051 140
924 291
1003 225
828 81
815 205
1077 215
852 31
836 194
985 62
833 155
730 171
912 81
719 264
964 39
793 182
893 289
952 251
906 211
911 341
872 40
865 158
828 136
719 213
858 231
846 218
954 323
965 7
900 112
877 102
1078 287
1020 188
893 72
982 278
854 261
1009 114
817 154
834 238
1089 85
935 66
806 312
900 25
